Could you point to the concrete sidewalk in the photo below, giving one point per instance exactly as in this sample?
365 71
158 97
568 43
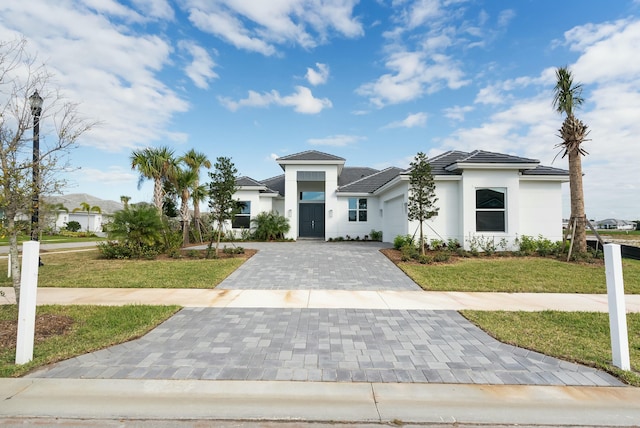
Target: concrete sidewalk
181 401
337 299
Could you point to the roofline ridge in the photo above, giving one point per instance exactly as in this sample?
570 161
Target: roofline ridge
309 151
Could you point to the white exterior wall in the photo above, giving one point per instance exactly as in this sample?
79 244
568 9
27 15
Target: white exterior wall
94 220
265 205
541 209
394 213
344 227
482 178
448 223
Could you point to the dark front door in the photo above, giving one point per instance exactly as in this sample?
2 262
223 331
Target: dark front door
311 221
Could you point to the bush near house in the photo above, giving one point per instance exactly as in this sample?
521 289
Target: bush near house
73 226
270 226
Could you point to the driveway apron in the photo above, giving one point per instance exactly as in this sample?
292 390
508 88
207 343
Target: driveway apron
345 345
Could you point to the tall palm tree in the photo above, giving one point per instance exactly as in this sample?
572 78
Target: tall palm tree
86 207
196 160
157 164
184 181
567 96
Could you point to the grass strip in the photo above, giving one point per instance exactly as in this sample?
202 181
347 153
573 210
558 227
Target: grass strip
519 275
86 270
581 337
93 328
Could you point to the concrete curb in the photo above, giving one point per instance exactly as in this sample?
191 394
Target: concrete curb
318 401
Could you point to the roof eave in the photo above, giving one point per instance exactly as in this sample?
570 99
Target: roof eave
560 178
498 165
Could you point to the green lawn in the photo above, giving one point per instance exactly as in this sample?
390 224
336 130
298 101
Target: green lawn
93 328
581 337
519 275
85 269
52 239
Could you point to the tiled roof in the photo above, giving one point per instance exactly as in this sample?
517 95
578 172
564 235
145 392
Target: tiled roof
352 173
275 183
248 181
482 156
440 162
310 155
368 180
545 170
372 182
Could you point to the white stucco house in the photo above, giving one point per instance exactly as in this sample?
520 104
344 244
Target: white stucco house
480 194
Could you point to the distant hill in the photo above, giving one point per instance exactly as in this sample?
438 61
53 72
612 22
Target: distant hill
74 200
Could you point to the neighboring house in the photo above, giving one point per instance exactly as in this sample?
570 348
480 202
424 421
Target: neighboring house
480 194
612 223
94 221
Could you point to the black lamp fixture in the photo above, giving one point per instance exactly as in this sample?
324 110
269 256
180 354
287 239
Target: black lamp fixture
36 109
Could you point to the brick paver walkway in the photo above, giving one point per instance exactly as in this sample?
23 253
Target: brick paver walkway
373 345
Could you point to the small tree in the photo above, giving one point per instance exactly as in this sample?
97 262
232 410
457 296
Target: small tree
221 191
139 226
20 77
422 196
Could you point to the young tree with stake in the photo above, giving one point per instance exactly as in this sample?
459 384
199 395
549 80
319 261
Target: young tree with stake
422 194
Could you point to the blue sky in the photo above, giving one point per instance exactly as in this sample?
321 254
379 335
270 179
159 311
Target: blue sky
372 81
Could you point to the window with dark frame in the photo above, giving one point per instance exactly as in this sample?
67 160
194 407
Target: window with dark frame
491 210
242 219
357 209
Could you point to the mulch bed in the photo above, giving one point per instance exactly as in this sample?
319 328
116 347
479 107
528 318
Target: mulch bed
47 325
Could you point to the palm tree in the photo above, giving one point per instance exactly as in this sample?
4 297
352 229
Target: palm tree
155 164
125 201
567 97
86 207
196 160
184 181
53 210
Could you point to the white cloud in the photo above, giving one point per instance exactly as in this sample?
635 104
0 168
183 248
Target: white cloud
117 84
231 30
160 9
490 95
336 140
319 76
200 70
302 101
260 26
411 121
414 74
505 17
456 113
113 175
606 51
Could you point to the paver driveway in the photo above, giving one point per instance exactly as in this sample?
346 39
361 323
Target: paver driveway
313 265
323 344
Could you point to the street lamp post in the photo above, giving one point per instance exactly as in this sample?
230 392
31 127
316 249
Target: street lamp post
36 109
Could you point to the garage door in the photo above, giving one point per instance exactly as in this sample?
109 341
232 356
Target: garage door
394 220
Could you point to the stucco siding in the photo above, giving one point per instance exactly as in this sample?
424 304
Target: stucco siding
541 209
472 180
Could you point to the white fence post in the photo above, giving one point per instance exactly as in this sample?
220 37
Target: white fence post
617 312
27 308
9 265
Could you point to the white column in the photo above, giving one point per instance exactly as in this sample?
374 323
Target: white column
617 312
27 308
